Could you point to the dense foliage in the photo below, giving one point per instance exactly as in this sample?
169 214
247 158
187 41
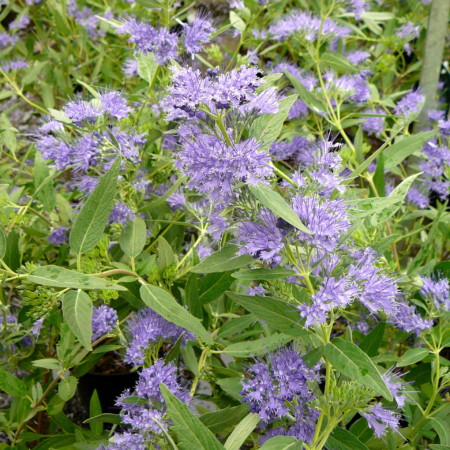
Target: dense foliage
227 209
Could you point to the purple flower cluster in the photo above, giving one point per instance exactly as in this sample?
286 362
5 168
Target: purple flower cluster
374 126
58 236
407 33
357 7
15 64
410 104
19 23
437 292
263 240
87 19
197 34
104 319
274 385
348 87
380 419
121 213
7 40
214 167
160 41
307 25
140 414
407 318
147 327
234 89
299 150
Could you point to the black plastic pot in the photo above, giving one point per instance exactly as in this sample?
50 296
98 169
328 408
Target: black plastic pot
108 386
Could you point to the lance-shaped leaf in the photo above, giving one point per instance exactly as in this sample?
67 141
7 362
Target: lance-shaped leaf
133 237
91 221
351 361
165 305
64 278
77 312
189 430
277 204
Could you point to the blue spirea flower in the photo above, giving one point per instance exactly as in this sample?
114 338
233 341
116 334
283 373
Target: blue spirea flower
357 56
130 441
306 24
380 419
85 153
7 39
299 150
104 319
59 152
373 126
79 111
271 384
19 23
357 7
115 105
197 34
410 104
263 240
59 236
298 109
140 416
147 327
437 292
121 213
15 64
215 167
160 41
408 319
418 196
407 33
395 386
327 220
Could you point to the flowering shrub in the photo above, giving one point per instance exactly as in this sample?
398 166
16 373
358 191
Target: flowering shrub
234 215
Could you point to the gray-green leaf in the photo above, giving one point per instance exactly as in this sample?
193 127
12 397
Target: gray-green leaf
412 356
282 443
223 261
77 312
64 278
133 238
91 221
165 305
242 431
188 429
259 347
2 245
352 362
277 204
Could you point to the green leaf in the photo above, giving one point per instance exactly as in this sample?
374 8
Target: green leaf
232 386
338 62
91 221
165 305
237 22
378 177
47 363
236 325
342 439
46 194
371 343
59 277
67 387
262 274
412 356
105 418
221 420
310 99
12 385
277 314
282 443
77 312
396 153
266 128
147 67
213 285
95 409
223 261
380 209
259 347
352 362
442 429
277 204
2 245
133 238
242 431
189 430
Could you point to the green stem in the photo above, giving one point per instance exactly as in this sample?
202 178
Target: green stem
219 121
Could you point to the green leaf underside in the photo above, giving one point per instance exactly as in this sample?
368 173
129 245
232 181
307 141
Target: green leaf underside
56 276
